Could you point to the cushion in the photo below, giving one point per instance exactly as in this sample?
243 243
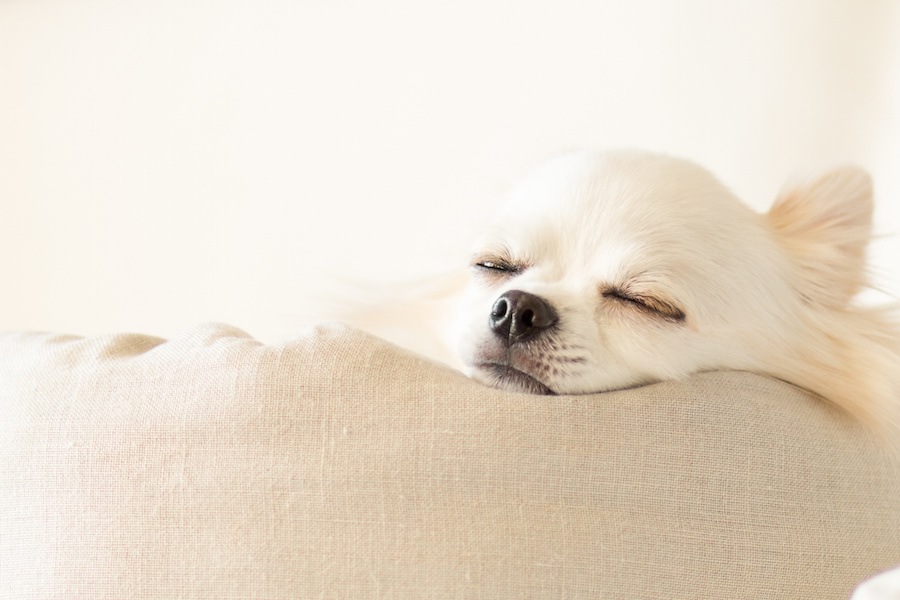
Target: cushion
338 465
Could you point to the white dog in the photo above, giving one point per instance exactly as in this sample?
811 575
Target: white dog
605 271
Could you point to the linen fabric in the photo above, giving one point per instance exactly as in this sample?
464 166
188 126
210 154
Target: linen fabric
339 466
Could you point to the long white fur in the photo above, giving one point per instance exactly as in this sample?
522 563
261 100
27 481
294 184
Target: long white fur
772 293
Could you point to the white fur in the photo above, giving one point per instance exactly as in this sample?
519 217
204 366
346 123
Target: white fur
766 293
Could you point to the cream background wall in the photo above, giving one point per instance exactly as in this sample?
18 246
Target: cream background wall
170 162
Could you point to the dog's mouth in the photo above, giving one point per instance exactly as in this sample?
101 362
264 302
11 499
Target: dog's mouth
511 379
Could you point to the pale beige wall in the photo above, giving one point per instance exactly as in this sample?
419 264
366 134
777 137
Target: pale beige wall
168 162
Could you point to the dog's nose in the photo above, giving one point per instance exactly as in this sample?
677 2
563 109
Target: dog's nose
517 316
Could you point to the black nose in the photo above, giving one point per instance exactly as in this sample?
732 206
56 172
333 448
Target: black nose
517 316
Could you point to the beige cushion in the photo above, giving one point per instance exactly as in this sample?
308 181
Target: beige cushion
338 466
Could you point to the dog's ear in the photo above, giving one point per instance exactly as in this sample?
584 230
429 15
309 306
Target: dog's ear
825 224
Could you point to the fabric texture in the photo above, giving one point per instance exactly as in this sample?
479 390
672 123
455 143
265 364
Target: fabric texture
339 466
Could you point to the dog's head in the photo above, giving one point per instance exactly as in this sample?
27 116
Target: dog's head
606 271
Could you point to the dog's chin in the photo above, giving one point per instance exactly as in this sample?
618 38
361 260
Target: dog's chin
508 378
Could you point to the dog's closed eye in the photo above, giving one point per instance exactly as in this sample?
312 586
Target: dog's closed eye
497 267
648 303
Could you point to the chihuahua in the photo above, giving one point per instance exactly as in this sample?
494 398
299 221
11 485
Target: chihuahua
605 271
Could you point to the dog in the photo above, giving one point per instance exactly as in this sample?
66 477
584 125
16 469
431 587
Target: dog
611 270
